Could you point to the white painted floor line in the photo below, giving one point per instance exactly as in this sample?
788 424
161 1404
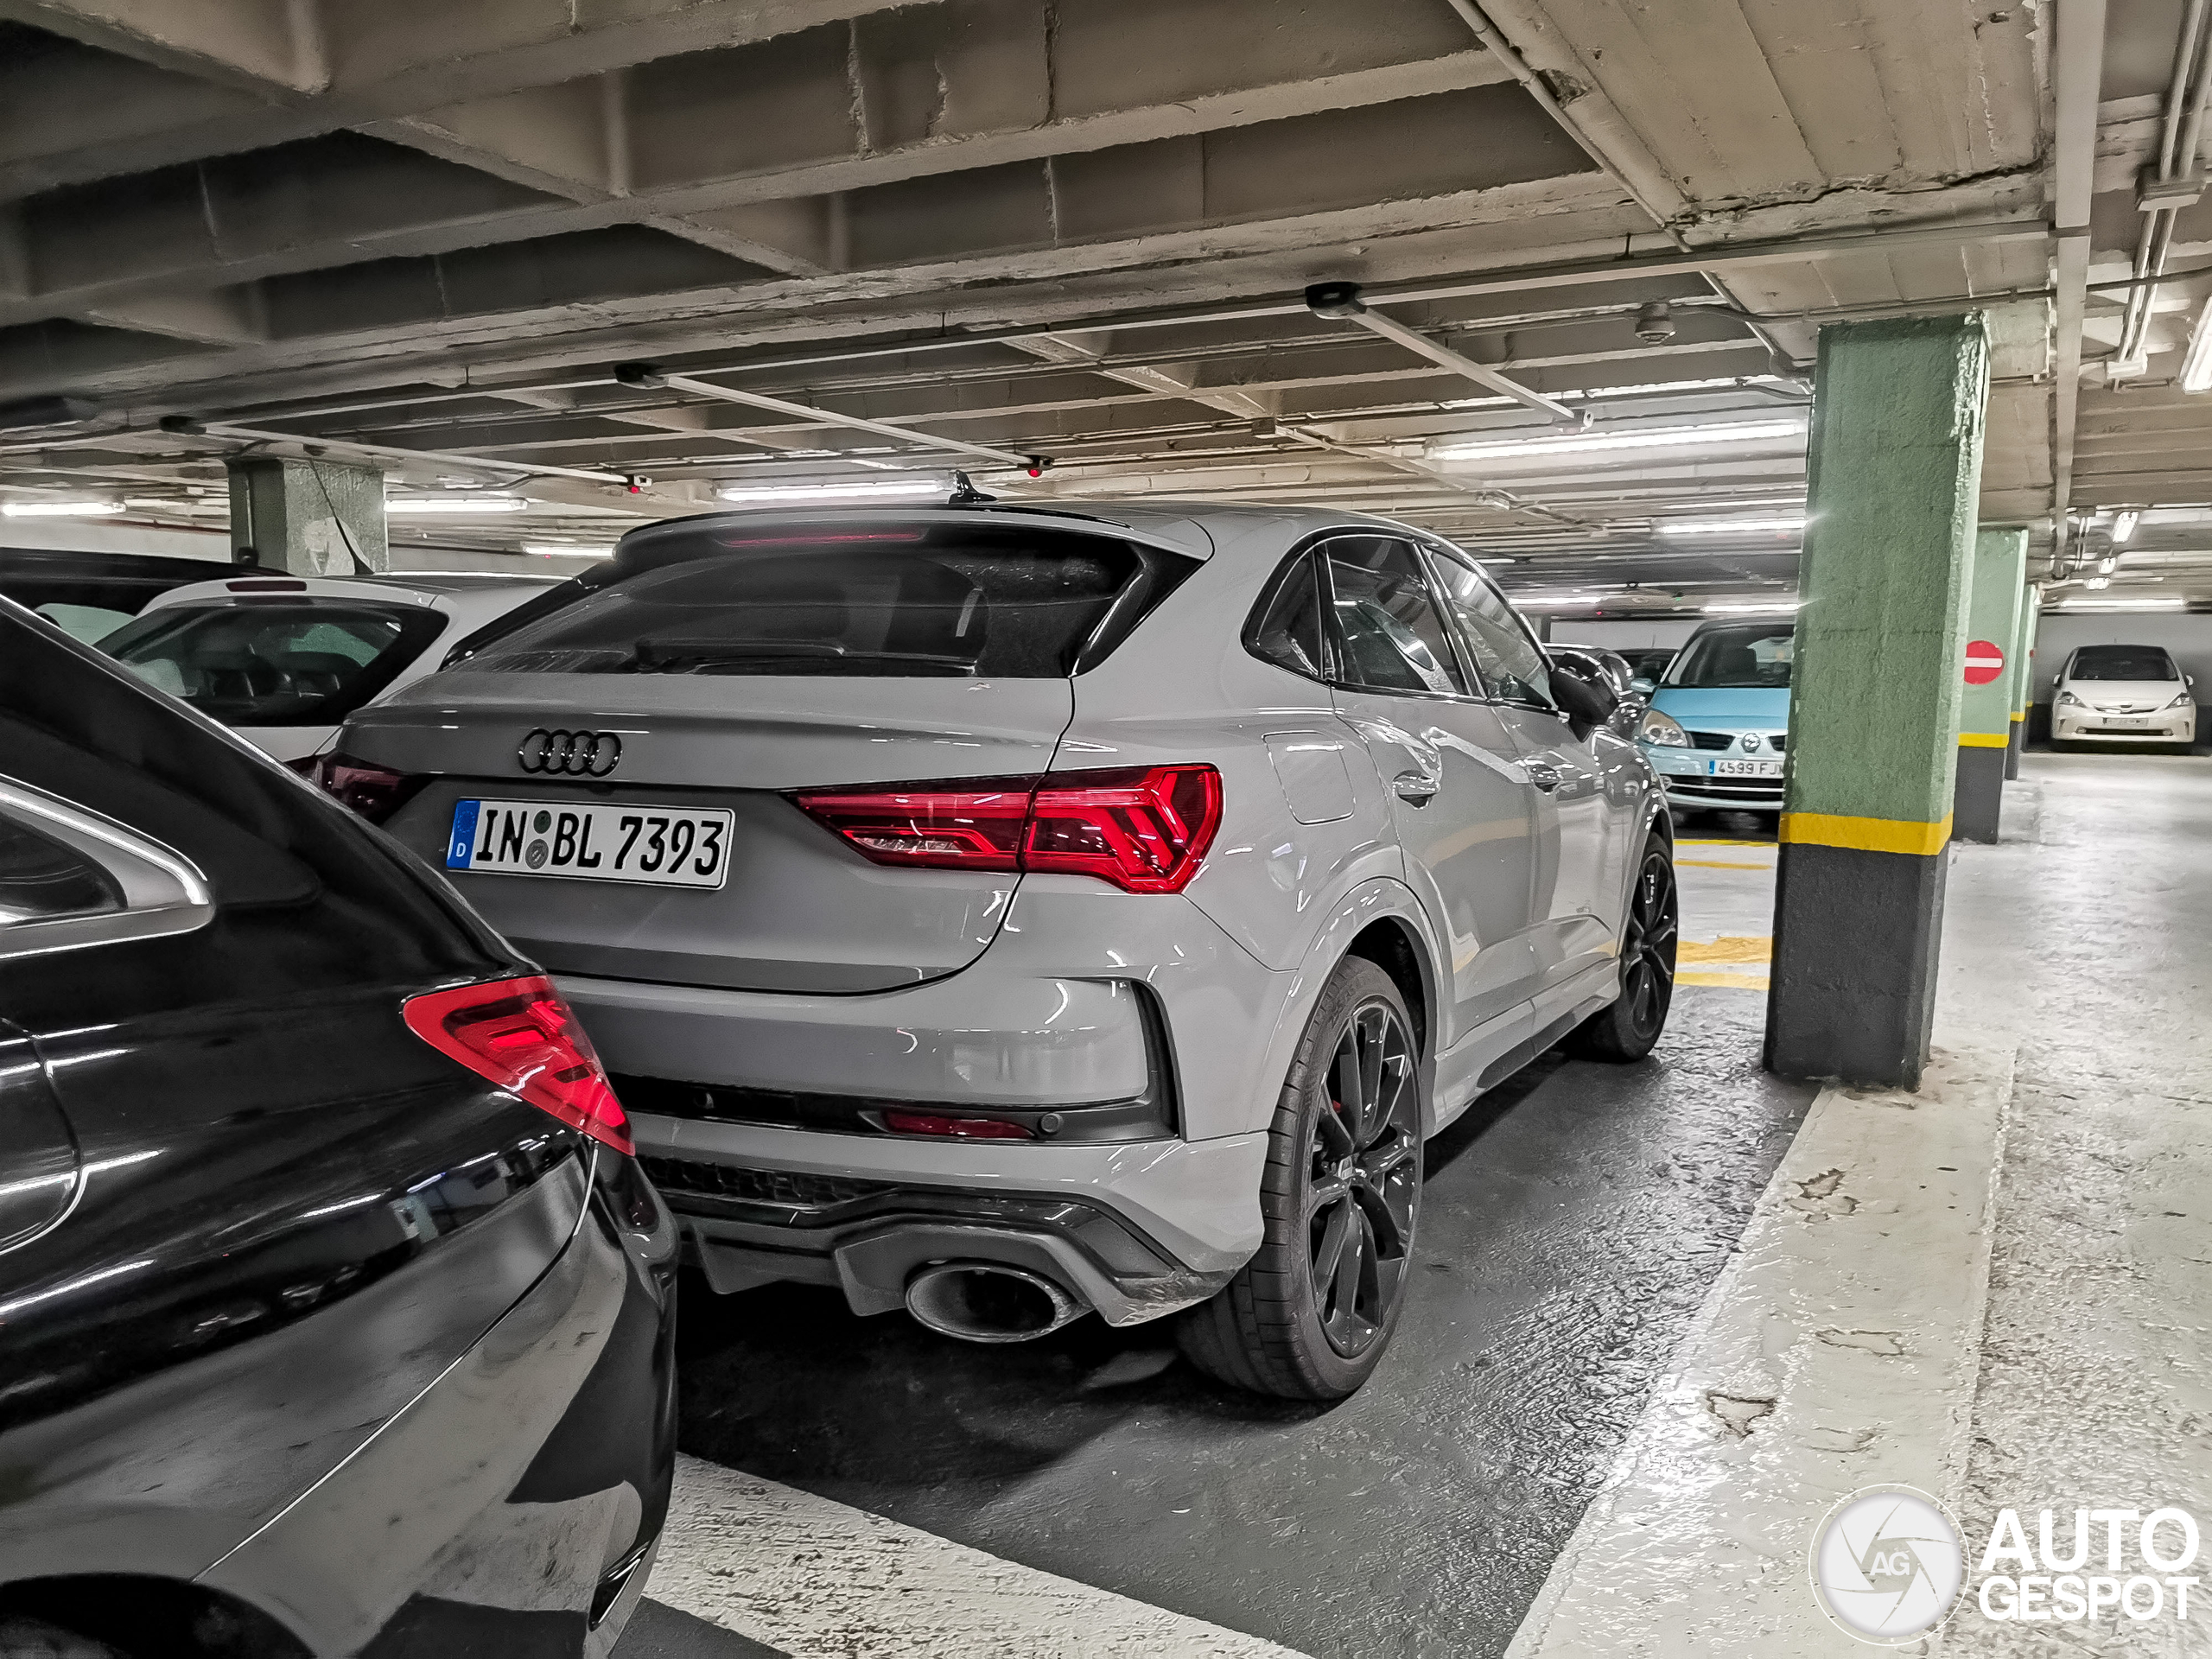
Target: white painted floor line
1838 1348
819 1580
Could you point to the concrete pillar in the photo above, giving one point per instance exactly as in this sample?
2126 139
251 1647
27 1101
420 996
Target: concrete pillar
2000 563
1893 471
308 518
2023 676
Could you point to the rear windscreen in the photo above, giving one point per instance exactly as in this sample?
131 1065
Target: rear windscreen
274 662
2122 662
964 600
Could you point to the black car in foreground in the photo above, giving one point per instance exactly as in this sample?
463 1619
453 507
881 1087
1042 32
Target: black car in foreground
335 1315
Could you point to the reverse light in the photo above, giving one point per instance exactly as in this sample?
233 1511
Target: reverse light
519 1034
375 792
1662 730
1146 829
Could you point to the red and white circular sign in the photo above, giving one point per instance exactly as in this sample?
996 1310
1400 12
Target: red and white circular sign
1985 662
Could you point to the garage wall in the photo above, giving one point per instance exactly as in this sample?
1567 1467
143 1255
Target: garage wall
1617 636
93 536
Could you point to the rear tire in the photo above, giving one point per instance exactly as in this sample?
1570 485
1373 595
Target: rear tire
1628 1028
1311 1313
24 1638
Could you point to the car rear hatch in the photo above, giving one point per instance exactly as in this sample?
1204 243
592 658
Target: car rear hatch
728 664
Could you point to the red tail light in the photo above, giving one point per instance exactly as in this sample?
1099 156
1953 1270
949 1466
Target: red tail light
961 1128
521 1035
375 792
1146 829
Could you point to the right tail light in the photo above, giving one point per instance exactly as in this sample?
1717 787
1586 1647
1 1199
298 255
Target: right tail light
1144 829
376 793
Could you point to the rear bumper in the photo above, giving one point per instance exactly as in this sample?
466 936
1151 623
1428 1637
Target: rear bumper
513 1506
1134 1230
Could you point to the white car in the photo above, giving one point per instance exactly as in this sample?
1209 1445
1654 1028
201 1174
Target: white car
2123 693
1011 912
282 660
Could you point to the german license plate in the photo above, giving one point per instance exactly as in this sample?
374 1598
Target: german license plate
1747 769
654 846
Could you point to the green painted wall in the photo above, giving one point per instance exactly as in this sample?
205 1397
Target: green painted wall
1894 473
2000 564
2022 677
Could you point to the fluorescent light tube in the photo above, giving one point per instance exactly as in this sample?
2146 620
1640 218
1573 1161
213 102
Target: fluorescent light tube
1599 444
1794 521
568 551
2123 523
2123 604
60 509
1767 605
887 489
432 507
2196 361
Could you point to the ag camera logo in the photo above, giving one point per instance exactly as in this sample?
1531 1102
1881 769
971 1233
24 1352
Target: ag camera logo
1887 1562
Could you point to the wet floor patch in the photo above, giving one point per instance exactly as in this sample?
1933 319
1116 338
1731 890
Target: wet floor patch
1572 1222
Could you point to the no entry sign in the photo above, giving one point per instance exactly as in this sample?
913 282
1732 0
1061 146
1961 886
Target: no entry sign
1985 661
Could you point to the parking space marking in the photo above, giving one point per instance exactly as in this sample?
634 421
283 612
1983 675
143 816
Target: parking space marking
819 1580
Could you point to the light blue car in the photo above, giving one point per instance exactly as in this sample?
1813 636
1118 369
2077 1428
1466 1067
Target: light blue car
1718 725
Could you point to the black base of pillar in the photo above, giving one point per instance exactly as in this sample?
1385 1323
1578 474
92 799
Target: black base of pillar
1854 986
1977 793
2012 750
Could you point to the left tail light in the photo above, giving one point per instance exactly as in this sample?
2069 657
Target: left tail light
1144 829
376 793
519 1034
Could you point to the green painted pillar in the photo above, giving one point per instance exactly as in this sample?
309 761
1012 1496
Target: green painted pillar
1894 469
2000 564
2023 676
308 518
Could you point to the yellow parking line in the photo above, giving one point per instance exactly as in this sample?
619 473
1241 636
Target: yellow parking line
1729 947
1734 981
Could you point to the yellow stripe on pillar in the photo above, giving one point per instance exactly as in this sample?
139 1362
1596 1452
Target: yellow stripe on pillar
1985 740
1864 835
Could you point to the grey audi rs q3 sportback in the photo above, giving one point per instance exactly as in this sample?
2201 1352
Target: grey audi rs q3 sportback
1005 913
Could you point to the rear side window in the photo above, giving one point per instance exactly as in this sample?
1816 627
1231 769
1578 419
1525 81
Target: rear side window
1287 630
1387 622
1511 664
274 662
2122 662
961 601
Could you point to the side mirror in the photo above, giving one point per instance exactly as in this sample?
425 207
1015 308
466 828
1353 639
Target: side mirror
1582 695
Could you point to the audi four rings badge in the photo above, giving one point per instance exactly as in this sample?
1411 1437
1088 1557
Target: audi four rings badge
570 754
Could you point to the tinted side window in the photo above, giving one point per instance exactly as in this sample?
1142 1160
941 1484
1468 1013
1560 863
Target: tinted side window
1287 630
1390 634
1511 664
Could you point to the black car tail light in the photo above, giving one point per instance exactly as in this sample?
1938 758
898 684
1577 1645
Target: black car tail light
520 1034
1146 829
376 793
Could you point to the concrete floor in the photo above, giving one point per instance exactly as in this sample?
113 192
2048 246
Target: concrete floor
1994 1285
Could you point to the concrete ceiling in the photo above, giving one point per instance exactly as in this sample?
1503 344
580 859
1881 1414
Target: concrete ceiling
1082 230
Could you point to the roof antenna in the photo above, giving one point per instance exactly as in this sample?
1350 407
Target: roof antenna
965 494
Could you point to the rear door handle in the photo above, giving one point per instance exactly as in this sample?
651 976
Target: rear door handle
1415 788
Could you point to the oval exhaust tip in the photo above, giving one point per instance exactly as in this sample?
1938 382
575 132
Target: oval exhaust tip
984 1301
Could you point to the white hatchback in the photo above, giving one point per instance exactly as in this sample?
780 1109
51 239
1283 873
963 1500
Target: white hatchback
2123 693
282 660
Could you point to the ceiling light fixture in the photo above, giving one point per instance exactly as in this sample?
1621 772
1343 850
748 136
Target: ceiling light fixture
405 507
1601 444
2175 604
2095 582
60 509
568 549
1754 609
2196 361
1794 521
887 489
2123 523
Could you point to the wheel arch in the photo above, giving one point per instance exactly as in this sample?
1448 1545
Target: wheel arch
148 1613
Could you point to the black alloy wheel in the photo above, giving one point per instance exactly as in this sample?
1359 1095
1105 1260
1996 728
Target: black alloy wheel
1363 1178
1311 1313
1629 1027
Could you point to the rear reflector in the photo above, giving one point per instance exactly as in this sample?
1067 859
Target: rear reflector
519 1034
1146 829
375 792
962 1129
